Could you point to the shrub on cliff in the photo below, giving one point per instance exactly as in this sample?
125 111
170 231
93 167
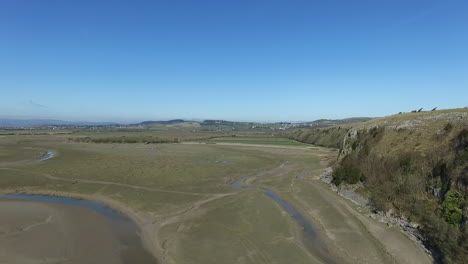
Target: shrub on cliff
349 175
452 207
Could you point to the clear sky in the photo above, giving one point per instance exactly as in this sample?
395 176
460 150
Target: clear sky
269 60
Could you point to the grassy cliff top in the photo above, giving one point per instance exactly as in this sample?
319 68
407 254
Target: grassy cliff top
418 119
425 132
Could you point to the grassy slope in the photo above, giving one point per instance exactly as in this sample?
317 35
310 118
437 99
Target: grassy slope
422 132
326 137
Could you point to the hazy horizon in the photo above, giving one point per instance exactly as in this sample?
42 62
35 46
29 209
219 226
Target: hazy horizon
123 122
156 118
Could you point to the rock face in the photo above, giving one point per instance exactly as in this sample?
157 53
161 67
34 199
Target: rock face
346 191
436 192
327 175
347 144
350 194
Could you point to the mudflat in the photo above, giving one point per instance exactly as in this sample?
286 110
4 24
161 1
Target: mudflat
44 232
183 199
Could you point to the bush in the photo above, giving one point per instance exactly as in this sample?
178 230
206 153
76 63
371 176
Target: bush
441 171
407 163
348 175
353 175
338 176
442 238
378 201
463 137
448 127
452 207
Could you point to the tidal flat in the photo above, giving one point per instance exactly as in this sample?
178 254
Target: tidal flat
187 210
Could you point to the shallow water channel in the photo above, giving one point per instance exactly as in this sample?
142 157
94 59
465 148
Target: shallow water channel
310 237
126 231
50 154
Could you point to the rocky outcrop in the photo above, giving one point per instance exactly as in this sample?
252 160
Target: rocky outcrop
347 144
411 230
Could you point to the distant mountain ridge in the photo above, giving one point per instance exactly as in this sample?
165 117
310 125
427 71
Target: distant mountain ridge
11 123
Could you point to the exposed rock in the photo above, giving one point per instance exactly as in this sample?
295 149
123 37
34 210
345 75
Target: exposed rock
436 192
349 193
347 145
410 229
327 175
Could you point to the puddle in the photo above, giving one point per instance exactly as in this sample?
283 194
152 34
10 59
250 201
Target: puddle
50 154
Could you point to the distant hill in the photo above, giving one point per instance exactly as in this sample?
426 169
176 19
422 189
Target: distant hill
209 125
48 122
169 122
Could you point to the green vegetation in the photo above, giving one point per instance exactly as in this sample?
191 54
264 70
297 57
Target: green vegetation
452 207
348 175
325 137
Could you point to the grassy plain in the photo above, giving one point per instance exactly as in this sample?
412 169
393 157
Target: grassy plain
259 140
181 196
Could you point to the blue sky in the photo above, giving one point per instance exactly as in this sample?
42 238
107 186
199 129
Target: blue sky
272 60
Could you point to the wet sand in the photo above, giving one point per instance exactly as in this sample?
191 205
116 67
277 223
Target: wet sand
48 232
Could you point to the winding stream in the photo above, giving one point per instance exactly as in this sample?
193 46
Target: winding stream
311 239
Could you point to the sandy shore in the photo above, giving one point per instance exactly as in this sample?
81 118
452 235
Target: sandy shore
141 220
41 232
